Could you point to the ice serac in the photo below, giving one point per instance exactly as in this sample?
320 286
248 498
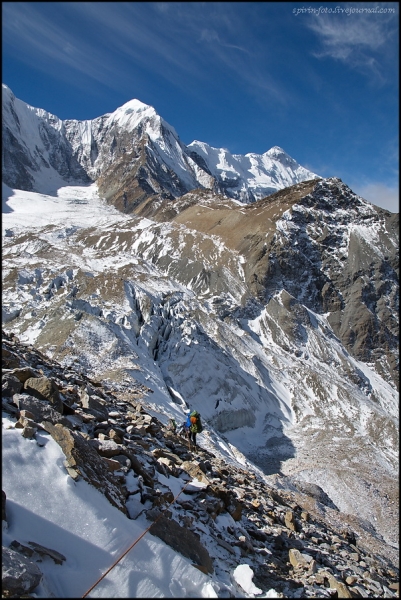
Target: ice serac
133 154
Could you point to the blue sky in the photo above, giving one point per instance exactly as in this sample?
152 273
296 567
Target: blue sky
320 82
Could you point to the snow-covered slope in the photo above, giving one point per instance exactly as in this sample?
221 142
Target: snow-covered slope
133 153
206 310
35 152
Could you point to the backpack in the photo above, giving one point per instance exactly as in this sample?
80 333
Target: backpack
196 425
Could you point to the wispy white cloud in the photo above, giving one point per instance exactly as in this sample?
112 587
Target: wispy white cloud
381 195
361 40
186 44
39 42
210 35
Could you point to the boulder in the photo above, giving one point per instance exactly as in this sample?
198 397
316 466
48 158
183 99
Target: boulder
29 432
106 448
290 521
195 471
39 410
44 389
116 436
20 576
83 459
24 373
342 589
182 540
163 453
297 559
10 385
95 405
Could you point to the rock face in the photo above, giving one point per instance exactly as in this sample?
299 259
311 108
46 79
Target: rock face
183 541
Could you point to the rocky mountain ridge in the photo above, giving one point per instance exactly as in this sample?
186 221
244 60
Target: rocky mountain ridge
297 541
133 154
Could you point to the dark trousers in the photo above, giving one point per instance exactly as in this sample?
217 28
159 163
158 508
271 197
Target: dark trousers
192 437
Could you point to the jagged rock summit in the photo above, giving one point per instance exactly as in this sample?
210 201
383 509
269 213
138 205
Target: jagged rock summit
133 154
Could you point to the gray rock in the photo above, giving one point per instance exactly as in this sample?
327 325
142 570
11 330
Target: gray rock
10 385
53 554
44 389
182 540
24 373
41 411
95 405
29 432
19 575
83 458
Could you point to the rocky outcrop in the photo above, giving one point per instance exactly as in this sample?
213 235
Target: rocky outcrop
82 460
183 540
20 576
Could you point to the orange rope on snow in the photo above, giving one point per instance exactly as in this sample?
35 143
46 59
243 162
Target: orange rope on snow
132 545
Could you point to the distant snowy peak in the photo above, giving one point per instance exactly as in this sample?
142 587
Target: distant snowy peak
132 153
251 176
277 152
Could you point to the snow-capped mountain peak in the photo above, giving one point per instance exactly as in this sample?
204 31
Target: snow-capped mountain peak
251 176
132 113
276 151
132 151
